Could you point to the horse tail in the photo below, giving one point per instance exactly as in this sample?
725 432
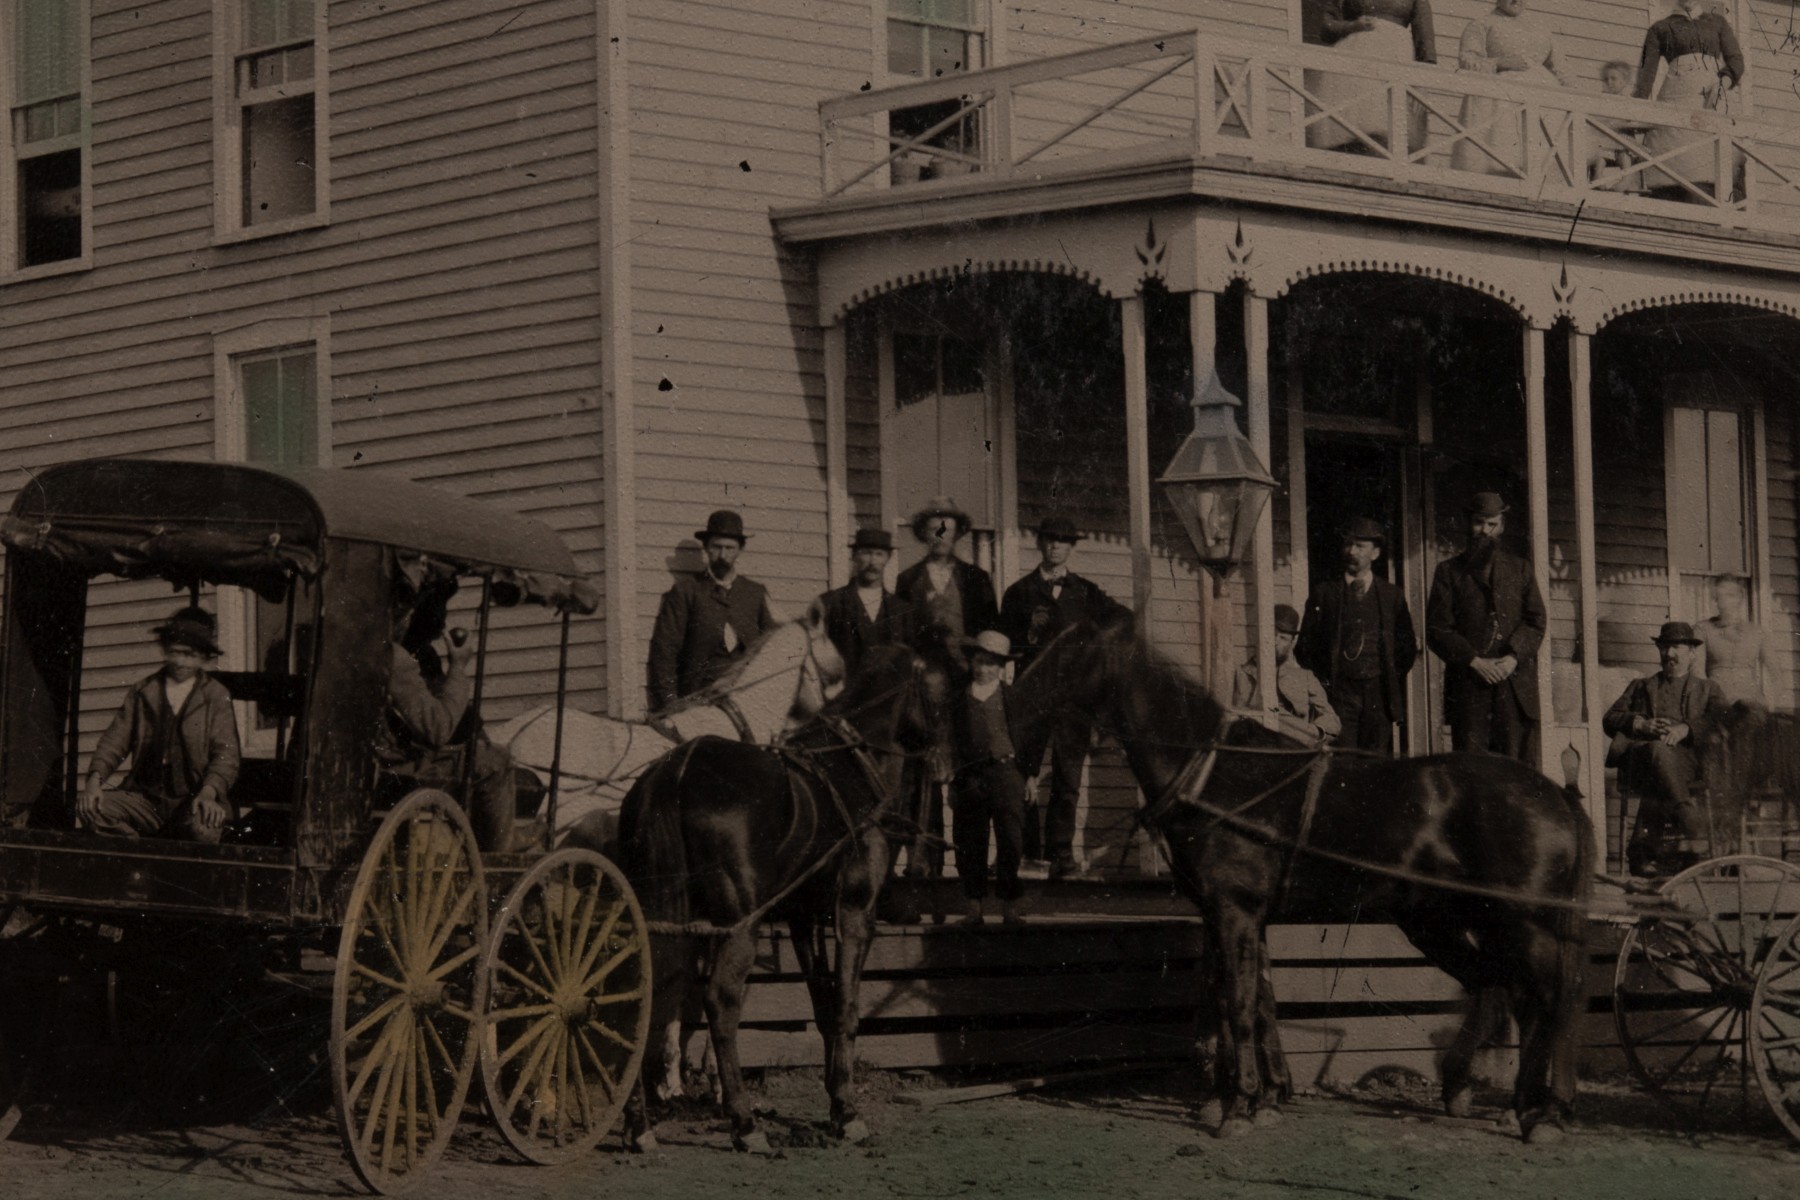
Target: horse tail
653 855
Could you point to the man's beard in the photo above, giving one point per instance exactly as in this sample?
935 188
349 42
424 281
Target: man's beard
719 568
1481 551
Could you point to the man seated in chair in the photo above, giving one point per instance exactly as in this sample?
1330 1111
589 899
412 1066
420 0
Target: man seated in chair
179 732
1657 727
425 740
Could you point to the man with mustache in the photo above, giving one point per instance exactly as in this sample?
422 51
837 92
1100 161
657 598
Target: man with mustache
1485 619
708 619
1358 638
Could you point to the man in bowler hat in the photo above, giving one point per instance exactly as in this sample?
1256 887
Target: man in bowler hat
1485 619
1034 610
707 620
1657 726
1300 705
863 613
1357 636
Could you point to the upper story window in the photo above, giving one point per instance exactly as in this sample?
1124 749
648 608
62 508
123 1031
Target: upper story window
45 136
929 38
270 90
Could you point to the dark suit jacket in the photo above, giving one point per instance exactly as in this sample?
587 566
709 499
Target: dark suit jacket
848 626
1699 707
687 647
1317 647
207 729
1081 599
979 611
1465 620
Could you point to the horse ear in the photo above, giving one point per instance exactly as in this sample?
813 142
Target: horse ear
814 616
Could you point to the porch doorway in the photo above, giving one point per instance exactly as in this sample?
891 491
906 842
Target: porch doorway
943 430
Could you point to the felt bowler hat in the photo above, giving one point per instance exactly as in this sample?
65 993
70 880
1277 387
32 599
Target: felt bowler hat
192 627
940 506
873 539
723 523
1676 632
1485 504
1059 527
1363 529
1286 619
990 641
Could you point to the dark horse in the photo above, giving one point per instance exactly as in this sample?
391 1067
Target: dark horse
720 835
1483 862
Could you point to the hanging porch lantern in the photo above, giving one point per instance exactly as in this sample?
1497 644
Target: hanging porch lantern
1216 483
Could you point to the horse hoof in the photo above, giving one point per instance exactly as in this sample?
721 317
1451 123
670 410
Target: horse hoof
754 1142
855 1131
1459 1103
1545 1133
643 1143
1266 1117
1233 1127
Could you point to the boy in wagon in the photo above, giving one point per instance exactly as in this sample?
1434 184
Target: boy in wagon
178 729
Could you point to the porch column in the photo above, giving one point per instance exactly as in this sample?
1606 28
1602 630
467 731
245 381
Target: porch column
1581 417
1537 465
1137 454
1262 555
1216 666
837 458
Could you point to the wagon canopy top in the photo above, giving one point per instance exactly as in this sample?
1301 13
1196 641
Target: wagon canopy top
257 527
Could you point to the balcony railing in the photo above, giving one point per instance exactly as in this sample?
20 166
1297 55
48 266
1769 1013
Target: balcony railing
1218 100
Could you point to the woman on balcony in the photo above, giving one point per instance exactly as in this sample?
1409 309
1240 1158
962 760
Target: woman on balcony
1705 67
1393 30
1513 48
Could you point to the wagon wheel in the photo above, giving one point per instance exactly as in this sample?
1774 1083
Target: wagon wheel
408 995
1684 981
1775 1028
568 977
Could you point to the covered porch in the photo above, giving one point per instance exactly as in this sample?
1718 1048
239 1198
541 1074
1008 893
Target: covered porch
1633 412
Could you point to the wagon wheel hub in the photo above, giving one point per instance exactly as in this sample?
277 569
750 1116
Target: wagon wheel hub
427 994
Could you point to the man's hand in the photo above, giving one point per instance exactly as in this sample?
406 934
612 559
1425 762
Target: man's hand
209 811
1031 792
1489 669
87 806
1674 732
460 650
1363 24
1507 666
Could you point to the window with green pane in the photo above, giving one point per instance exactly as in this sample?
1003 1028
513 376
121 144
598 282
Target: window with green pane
281 407
928 38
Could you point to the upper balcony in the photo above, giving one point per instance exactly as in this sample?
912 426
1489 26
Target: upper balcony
1306 127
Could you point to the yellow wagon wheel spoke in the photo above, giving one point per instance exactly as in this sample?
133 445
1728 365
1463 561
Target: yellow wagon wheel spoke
1775 1028
414 927
549 1086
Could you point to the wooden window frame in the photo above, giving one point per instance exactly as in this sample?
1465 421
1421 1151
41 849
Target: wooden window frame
983 28
11 156
231 347
228 125
1755 466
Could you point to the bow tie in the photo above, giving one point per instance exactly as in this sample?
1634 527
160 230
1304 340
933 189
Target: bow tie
1056 576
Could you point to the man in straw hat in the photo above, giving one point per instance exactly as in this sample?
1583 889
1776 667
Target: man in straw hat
989 788
1357 636
1485 619
707 620
945 592
1657 726
1034 610
863 613
1299 703
179 732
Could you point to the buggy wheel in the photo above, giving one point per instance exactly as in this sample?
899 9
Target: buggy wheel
568 1017
1775 1028
1685 978
407 998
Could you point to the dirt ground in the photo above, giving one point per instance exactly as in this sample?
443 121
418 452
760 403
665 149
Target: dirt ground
1140 1135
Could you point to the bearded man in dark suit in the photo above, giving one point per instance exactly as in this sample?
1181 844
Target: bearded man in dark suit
1358 638
1485 619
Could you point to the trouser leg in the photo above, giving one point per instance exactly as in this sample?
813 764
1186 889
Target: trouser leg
1068 753
1006 803
1366 726
1032 832
970 826
1514 734
1472 720
126 814
495 802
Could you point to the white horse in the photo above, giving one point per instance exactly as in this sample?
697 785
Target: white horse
783 679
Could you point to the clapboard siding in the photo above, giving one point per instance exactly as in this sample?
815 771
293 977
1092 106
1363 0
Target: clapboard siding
458 278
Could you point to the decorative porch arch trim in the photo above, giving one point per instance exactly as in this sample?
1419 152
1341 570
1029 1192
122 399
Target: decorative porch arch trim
967 269
1743 298
1376 266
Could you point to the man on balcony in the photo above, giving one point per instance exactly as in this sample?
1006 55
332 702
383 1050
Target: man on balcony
1485 619
1358 637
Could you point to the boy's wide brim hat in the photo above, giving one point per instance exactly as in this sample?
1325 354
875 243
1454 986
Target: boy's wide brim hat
990 641
723 523
940 506
192 627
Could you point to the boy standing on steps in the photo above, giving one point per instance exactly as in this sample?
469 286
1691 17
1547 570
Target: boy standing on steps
988 787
